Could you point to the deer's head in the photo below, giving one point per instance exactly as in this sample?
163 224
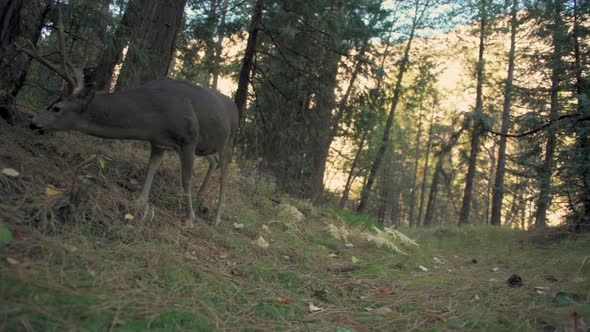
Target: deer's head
66 113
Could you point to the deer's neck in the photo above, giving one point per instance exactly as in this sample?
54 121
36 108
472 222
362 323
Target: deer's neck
112 116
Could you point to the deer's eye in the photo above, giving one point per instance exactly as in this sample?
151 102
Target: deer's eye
55 109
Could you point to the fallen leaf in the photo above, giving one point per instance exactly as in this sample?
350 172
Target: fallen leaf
382 310
70 248
129 217
495 269
10 172
313 308
265 228
355 260
11 261
476 297
16 234
383 291
332 255
423 268
238 226
261 242
349 245
50 191
285 300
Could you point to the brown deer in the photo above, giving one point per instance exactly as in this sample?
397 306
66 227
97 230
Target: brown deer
169 114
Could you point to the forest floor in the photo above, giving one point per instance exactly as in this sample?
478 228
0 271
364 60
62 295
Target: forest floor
72 258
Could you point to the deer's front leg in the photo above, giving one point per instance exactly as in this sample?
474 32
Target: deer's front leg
187 158
153 165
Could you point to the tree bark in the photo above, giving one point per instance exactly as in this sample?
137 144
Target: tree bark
498 190
477 125
9 18
219 45
414 186
389 123
546 171
112 56
438 170
13 65
353 166
425 172
583 127
153 41
210 46
248 60
432 195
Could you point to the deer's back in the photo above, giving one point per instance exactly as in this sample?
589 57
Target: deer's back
216 114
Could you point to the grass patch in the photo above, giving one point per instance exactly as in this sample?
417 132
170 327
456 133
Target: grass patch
90 269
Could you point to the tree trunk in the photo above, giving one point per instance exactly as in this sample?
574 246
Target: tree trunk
322 117
210 44
248 60
583 127
477 125
548 166
152 44
389 123
219 45
438 170
353 167
434 185
113 55
13 65
426 168
414 186
498 190
9 18
491 179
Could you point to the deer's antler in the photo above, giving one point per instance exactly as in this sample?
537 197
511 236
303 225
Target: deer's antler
69 72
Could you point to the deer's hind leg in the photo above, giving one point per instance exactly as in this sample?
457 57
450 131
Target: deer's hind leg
224 160
187 158
203 187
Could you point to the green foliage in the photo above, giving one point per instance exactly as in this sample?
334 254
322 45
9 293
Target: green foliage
353 219
5 235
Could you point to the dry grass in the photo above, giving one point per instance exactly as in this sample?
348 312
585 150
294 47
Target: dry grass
75 263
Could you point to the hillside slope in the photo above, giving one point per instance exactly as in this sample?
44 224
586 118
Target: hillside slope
71 258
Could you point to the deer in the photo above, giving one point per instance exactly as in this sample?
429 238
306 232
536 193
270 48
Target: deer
170 114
